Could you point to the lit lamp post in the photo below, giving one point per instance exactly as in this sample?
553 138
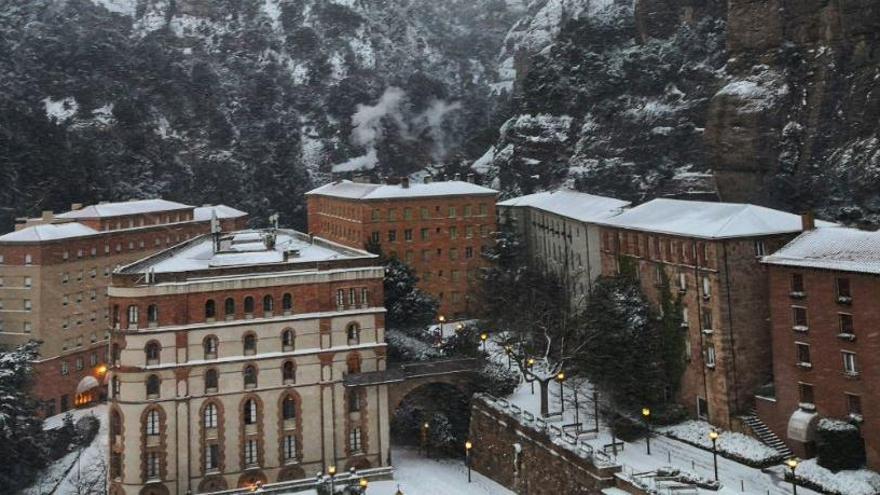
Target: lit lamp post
560 377
483 338
529 364
442 320
425 427
332 472
467 457
363 485
713 435
646 413
793 464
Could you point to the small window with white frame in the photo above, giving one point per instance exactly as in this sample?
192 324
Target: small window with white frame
850 365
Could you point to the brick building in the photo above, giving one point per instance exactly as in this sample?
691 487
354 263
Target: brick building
710 253
437 228
824 288
54 273
229 354
561 234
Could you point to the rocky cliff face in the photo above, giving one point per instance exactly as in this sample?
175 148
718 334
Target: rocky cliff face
772 102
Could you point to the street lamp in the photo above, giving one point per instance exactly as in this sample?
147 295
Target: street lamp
793 464
483 338
467 457
646 413
560 377
713 435
363 484
425 427
332 472
399 491
442 320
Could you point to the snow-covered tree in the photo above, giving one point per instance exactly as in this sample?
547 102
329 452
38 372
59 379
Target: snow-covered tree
21 430
407 306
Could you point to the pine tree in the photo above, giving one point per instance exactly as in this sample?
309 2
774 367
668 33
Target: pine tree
406 305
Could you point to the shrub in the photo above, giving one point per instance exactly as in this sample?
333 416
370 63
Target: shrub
839 445
497 380
627 429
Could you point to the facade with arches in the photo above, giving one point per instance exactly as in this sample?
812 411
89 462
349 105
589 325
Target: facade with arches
239 375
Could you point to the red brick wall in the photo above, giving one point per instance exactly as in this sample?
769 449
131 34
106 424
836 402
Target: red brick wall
50 385
826 375
350 222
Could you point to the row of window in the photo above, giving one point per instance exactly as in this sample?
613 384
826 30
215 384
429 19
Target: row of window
664 249
78 297
850 363
145 221
852 402
842 288
75 342
26 305
250 375
800 322
79 363
26 282
26 327
467 211
229 310
117 248
80 275
425 233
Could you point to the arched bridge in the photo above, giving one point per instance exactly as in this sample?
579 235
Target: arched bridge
405 378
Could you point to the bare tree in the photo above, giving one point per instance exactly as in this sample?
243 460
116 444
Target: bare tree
90 479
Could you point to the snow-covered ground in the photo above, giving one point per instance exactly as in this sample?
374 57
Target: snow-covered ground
71 474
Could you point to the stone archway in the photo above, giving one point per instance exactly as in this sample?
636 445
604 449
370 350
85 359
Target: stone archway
399 391
443 404
251 478
155 489
214 483
290 473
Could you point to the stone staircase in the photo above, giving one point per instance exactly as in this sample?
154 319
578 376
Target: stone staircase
764 434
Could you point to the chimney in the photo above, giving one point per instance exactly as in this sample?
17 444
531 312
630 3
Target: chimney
429 178
76 206
47 216
404 182
470 178
808 221
457 177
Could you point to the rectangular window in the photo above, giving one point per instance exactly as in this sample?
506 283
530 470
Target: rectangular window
27 282
469 252
340 298
710 356
392 215
352 297
854 404
684 316
799 317
424 213
408 257
426 254
451 212
407 214
850 366
364 299
805 393
484 210
846 324
392 236
64 368
408 235
707 319
250 452
453 232
760 250
803 354
707 287
843 290
375 237
453 254
289 447
354 401
27 305
469 231
456 275
212 457
682 282
484 230
152 465
797 284
354 440
424 234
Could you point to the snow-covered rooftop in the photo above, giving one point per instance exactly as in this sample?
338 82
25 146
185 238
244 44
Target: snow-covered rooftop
572 204
48 232
244 248
841 249
123 208
708 220
203 213
358 190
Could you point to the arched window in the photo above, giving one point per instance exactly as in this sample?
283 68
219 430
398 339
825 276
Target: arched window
229 308
288 409
209 415
153 386
288 372
288 340
353 331
268 304
211 380
250 344
153 315
210 309
151 427
248 305
132 317
250 376
210 345
287 303
153 351
249 412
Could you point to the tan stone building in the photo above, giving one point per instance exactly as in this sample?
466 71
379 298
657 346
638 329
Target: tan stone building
229 354
54 273
561 234
710 254
437 228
